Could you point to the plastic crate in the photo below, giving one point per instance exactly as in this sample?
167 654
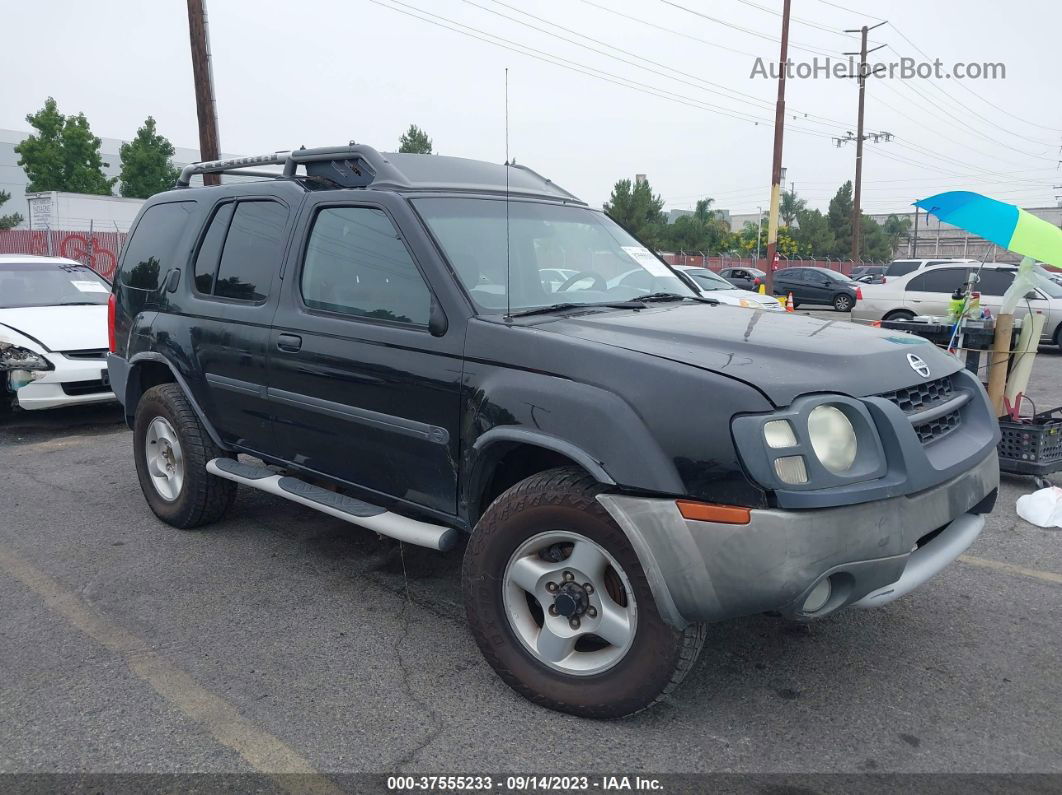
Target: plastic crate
1031 448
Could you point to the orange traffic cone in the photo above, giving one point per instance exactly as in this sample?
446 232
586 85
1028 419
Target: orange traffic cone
789 303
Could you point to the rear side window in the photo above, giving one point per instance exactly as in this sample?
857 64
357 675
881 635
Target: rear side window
901 267
251 237
153 248
945 280
357 265
206 261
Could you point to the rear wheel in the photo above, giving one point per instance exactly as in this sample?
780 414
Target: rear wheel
560 607
899 314
171 449
843 302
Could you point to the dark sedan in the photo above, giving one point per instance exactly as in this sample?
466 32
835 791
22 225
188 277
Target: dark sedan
817 286
745 278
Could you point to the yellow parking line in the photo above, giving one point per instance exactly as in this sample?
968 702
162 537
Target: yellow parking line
262 751
1010 568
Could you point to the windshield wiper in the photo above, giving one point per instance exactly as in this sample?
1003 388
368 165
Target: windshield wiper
79 303
543 310
675 297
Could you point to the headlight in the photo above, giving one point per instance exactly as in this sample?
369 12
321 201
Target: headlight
832 438
12 357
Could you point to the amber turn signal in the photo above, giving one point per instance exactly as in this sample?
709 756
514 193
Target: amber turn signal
709 512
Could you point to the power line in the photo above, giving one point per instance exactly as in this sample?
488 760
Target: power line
811 117
575 66
749 31
807 22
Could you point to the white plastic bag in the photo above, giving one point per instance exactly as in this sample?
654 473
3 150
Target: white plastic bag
1043 508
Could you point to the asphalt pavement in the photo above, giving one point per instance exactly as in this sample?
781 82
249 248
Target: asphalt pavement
283 639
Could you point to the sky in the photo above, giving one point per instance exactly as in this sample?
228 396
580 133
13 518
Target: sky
599 90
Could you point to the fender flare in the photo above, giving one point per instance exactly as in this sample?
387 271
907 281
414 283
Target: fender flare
539 439
133 382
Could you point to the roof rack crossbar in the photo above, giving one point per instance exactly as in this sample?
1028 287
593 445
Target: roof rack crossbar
381 168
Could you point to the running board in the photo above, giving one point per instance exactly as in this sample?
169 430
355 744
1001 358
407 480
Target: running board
363 514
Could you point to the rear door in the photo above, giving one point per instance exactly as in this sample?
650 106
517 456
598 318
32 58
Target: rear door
363 391
789 280
929 292
230 304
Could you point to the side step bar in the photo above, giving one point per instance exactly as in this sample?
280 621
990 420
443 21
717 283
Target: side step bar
363 514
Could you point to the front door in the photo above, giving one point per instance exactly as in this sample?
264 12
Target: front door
363 391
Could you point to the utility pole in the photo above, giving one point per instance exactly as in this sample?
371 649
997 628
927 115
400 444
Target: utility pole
203 76
914 252
759 228
862 77
776 163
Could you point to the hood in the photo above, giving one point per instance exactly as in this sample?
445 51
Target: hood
60 328
735 297
782 354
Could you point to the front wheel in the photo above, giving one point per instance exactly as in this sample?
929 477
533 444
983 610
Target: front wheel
560 607
842 303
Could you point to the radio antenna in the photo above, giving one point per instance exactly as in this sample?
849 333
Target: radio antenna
508 277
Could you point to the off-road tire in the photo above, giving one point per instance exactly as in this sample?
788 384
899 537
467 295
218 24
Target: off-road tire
564 499
203 498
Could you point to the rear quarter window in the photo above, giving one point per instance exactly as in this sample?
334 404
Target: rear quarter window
154 247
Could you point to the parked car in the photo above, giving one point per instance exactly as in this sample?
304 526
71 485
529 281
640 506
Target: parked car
901 267
868 274
715 286
745 278
817 286
629 466
53 333
928 292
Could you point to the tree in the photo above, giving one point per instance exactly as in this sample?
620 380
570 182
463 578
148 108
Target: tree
8 221
415 141
636 209
896 229
812 234
789 207
839 219
63 155
146 165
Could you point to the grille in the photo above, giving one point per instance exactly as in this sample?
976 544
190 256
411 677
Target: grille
941 426
101 353
920 397
74 388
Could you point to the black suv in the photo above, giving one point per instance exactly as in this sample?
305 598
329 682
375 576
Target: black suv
430 347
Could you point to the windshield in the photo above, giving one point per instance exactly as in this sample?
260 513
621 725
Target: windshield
33 284
837 277
1050 288
556 254
708 280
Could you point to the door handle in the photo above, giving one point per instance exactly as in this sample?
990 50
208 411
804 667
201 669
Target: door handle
289 342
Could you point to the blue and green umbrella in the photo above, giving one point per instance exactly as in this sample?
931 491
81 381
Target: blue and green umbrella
1003 224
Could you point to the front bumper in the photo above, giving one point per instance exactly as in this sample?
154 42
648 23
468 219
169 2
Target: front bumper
71 383
707 571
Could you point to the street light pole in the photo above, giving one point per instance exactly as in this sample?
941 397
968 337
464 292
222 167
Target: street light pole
776 164
759 227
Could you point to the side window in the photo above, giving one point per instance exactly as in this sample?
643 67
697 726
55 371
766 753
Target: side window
945 280
252 251
206 261
793 274
901 267
152 250
357 265
994 282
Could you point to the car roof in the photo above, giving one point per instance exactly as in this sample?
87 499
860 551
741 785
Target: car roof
357 166
34 259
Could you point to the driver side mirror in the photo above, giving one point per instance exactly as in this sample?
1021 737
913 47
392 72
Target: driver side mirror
437 323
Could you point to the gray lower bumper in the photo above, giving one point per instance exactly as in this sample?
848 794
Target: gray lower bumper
707 571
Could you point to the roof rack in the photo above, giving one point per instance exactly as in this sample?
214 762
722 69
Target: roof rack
354 165
358 166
